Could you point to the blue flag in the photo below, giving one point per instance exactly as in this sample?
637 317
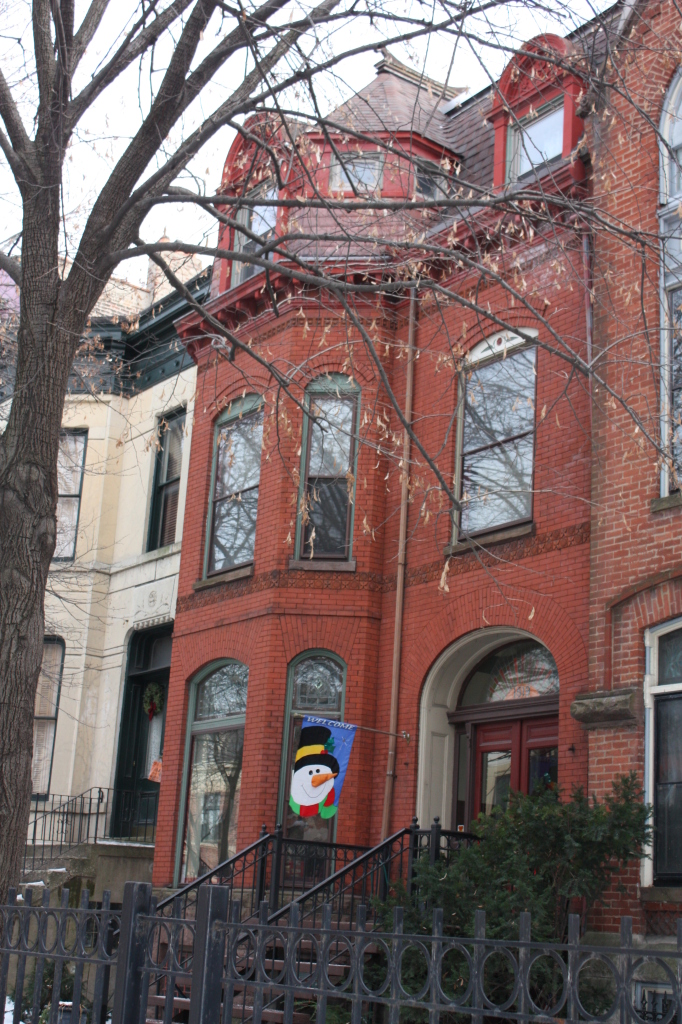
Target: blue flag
320 766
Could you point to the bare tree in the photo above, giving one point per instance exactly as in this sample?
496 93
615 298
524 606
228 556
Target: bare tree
449 241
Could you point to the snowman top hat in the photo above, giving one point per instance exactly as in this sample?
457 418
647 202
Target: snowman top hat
316 746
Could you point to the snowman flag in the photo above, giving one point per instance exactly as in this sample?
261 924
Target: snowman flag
320 766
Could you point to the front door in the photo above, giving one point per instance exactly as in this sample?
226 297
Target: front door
140 749
514 755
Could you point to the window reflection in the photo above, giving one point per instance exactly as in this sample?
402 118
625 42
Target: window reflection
495 780
329 479
215 770
235 498
498 442
518 671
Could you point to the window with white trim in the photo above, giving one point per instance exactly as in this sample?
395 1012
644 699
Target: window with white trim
361 173
496 435
536 140
70 463
663 751
45 714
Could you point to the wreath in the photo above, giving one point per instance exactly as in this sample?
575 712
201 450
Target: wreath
153 699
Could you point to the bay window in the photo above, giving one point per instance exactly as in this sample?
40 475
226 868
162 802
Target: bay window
328 479
257 220
356 172
495 435
236 480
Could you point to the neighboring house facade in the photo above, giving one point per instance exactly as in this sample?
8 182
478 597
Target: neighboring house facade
288 580
112 587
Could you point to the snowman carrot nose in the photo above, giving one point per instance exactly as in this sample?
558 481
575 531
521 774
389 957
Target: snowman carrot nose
318 780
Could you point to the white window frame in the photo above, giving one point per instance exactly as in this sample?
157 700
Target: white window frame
494 347
651 690
339 180
670 229
515 140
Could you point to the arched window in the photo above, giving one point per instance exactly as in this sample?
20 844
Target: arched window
507 728
213 767
671 314
316 686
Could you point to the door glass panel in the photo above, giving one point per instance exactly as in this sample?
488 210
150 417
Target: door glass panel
495 779
668 822
670 658
212 801
543 766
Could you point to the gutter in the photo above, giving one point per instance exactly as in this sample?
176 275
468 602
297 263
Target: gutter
400 583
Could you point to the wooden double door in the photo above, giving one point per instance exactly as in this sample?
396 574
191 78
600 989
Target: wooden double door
513 755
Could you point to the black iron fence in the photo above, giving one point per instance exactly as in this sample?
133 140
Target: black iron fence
59 824
137 966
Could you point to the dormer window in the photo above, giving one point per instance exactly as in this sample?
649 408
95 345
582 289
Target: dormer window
361 173
430 181
536 140
257 220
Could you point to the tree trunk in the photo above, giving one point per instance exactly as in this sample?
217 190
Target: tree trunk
28 500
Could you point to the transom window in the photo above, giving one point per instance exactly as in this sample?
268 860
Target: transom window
234 504
214 768
535 141
360 173
256 220
328 479
495 437
70 462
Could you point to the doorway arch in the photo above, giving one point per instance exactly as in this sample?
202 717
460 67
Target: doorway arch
441 695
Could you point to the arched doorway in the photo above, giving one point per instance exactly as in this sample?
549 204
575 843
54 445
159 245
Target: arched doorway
489 723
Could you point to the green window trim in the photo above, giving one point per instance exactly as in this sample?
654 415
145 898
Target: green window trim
330 384
313 652
193 728
236 410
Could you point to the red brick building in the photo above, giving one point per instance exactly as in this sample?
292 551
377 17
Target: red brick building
527 620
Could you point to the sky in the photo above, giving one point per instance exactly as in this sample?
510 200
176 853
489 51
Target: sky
109 125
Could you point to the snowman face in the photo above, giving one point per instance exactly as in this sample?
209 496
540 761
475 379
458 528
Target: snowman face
302 789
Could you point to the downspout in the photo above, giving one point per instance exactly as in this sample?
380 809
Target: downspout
400 580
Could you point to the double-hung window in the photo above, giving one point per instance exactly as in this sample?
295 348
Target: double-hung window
258 221
166 490
234 503
45 714
70 462
430 181
326 503
663 750
535 140
360 173
495 435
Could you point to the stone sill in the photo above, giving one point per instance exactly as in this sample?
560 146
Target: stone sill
238 573
670 501
322 565
485 539
660 894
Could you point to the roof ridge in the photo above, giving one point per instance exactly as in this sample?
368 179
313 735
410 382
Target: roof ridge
393 66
